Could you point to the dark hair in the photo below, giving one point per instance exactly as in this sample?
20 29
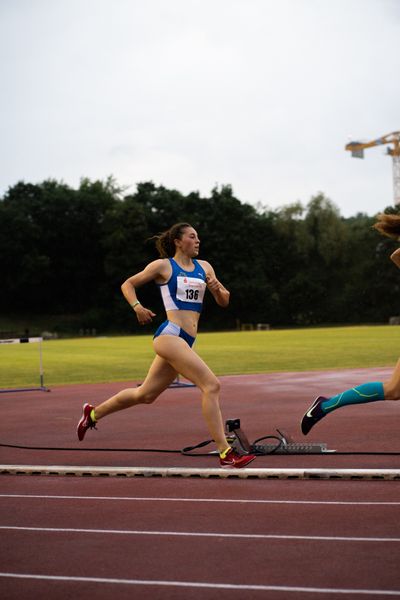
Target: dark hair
165 242
388 225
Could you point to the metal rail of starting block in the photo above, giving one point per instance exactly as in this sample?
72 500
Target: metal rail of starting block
177 383
283 443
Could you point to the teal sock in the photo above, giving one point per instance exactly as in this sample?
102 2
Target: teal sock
366 392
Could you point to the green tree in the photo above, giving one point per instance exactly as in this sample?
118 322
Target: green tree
312 257
54 234
67 251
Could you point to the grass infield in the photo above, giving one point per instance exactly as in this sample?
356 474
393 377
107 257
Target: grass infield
95 360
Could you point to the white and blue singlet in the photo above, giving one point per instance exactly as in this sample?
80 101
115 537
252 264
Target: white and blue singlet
183 291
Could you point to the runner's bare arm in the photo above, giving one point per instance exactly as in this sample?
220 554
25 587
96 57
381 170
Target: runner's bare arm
395 257
219 292
154 271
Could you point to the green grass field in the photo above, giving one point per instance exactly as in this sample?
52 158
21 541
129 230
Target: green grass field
95 360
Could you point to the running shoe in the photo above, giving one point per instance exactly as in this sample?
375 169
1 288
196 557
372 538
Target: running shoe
86 421
235 460
313 415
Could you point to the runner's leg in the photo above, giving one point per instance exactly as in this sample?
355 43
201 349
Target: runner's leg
392 387
189 364
159 377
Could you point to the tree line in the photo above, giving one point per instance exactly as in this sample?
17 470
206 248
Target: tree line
66 251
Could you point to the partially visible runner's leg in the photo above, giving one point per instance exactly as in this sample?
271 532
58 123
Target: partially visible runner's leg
159 377
366 392
361 394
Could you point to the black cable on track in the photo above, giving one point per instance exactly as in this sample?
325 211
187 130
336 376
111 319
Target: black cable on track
188 451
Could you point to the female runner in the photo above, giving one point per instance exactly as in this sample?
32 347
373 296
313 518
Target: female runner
183 281
388 225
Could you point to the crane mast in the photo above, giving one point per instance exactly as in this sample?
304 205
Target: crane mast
393 141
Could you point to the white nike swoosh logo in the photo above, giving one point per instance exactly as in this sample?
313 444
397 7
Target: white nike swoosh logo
309 412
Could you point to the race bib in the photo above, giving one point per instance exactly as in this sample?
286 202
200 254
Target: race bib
190 289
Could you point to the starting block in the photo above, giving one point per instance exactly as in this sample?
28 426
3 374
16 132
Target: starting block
282 444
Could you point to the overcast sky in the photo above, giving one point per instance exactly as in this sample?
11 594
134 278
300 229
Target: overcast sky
259 94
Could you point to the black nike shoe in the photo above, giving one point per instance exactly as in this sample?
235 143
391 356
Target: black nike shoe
313 415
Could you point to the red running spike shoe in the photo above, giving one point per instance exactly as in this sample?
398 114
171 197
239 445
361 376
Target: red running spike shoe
233 460
86 421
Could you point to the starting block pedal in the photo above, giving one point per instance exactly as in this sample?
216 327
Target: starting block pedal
282 444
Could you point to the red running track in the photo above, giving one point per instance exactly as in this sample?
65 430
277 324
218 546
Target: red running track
133 538
70 537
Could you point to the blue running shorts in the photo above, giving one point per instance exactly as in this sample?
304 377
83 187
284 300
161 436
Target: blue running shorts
169 328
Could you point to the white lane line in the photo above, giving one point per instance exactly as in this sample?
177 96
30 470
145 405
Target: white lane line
247 536
199 584
222 500
254 473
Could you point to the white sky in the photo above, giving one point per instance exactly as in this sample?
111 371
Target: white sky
259 94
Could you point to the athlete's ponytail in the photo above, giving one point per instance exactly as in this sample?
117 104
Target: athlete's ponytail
165 242
388 225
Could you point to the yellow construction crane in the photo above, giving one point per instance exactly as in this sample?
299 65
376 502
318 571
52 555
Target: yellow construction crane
357 150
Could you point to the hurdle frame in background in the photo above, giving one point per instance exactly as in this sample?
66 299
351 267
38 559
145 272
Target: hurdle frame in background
28 340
